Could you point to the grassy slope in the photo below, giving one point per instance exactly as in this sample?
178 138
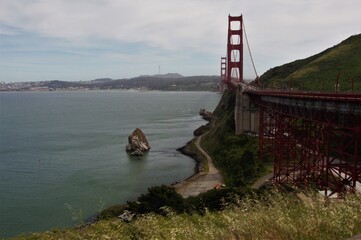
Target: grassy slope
277 216
321 69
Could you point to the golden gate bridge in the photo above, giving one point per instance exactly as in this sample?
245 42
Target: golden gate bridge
313 137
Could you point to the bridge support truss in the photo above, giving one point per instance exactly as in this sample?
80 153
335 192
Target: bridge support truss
309 147
310 152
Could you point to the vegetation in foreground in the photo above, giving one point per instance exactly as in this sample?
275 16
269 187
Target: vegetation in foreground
275 215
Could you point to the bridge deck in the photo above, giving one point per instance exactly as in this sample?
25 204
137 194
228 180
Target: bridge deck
312 136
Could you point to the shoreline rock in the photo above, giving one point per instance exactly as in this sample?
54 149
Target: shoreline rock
188 150
206 115
137 143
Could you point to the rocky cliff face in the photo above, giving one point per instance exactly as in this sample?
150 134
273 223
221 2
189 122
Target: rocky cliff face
137 143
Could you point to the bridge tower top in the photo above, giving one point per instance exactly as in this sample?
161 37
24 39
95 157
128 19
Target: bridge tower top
235 49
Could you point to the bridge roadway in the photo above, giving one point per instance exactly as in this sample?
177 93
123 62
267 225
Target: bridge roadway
336 108
312 136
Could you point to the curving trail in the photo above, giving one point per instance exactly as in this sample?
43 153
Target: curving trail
200 182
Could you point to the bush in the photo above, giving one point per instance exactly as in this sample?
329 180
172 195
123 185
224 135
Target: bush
214 200
156 198
236 141
159 198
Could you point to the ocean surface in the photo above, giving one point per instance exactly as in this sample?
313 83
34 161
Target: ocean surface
62 154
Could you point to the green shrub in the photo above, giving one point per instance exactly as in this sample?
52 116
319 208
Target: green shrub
157 198
214 200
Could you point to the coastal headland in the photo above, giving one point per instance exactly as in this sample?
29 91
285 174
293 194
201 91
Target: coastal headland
207 176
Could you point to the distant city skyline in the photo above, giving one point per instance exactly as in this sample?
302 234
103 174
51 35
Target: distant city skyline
84 40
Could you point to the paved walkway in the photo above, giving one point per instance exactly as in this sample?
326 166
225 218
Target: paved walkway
200 182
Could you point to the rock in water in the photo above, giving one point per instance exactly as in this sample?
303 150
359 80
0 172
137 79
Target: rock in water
137 153
137 143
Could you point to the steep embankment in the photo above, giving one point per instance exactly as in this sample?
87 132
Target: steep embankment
235 156
319 72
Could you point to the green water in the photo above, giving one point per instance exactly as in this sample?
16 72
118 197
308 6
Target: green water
62 154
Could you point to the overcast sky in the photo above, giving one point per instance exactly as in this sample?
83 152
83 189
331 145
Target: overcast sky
87 39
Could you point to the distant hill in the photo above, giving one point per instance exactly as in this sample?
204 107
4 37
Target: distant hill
165 82
319 72
101 80
155 82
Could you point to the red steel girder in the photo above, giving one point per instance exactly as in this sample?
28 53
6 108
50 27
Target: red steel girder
306 151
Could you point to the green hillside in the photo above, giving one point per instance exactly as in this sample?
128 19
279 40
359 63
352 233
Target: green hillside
319 72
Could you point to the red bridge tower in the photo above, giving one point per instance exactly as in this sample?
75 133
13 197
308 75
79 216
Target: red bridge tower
235 49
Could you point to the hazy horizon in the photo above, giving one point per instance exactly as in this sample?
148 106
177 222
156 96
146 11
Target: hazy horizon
85 40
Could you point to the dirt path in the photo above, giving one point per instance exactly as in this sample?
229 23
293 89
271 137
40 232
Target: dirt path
200 182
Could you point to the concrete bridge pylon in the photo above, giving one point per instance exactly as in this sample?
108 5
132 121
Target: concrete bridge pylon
246 113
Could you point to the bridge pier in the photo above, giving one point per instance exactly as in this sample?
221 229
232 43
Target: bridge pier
246 113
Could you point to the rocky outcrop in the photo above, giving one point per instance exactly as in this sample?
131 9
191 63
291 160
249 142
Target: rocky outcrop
206 115
126 216
137 143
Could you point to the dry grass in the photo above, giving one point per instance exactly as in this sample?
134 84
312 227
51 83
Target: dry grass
276 216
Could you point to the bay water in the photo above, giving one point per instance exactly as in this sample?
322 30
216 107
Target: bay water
62 154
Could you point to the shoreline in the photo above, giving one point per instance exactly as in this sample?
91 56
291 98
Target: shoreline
185 150
189 149
207 177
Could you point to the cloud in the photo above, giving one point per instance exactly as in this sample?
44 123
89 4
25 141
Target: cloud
183 32
174 24
165 24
